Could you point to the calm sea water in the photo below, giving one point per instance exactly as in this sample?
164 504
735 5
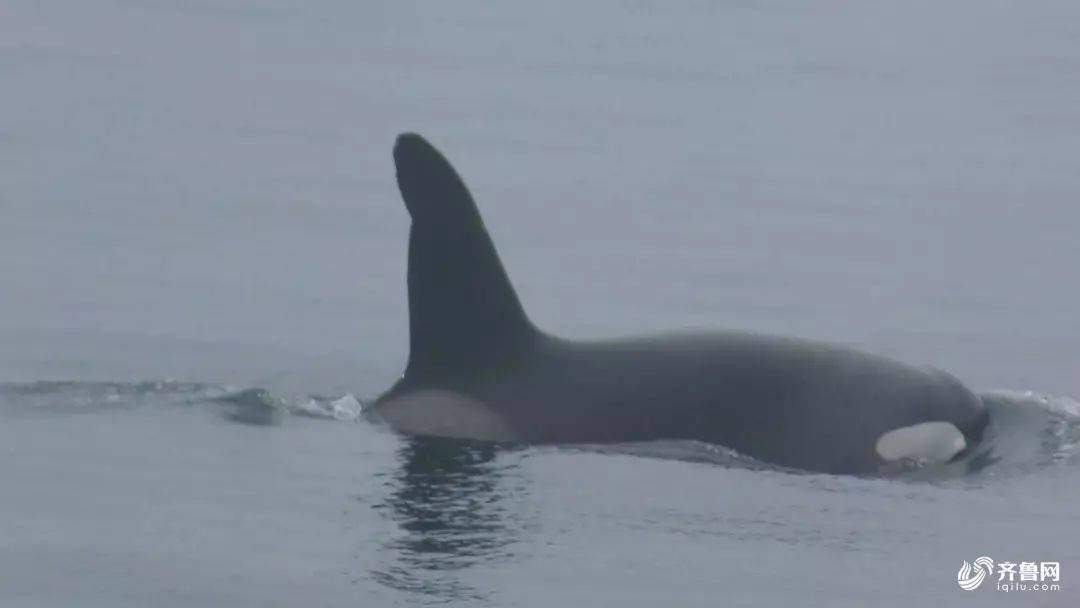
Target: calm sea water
202 256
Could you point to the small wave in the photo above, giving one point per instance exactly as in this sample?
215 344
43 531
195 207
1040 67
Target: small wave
346 407
259 406
58 398
1030 429
248 405
109 389
1066 406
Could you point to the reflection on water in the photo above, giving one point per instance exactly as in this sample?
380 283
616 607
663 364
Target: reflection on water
449 500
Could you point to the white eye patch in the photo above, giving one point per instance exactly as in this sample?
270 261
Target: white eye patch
924 442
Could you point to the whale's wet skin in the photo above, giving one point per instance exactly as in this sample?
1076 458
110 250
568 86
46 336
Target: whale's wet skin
204 293
478 368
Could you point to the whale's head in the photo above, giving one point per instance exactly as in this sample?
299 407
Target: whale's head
953 420
956 403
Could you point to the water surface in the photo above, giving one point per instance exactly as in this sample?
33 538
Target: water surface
197 199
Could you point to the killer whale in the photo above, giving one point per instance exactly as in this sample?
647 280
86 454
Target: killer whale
478 368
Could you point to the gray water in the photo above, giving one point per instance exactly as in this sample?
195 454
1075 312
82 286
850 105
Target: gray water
197 199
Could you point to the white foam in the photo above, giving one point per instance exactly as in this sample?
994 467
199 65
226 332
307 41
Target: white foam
346 407
1058 404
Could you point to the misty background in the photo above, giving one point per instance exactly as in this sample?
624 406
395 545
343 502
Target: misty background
204 190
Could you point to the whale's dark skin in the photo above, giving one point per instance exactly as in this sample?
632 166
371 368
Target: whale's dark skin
477 360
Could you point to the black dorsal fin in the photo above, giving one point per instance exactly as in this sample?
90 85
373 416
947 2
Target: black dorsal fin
464 317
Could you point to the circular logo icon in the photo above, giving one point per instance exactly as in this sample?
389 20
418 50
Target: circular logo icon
971 576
